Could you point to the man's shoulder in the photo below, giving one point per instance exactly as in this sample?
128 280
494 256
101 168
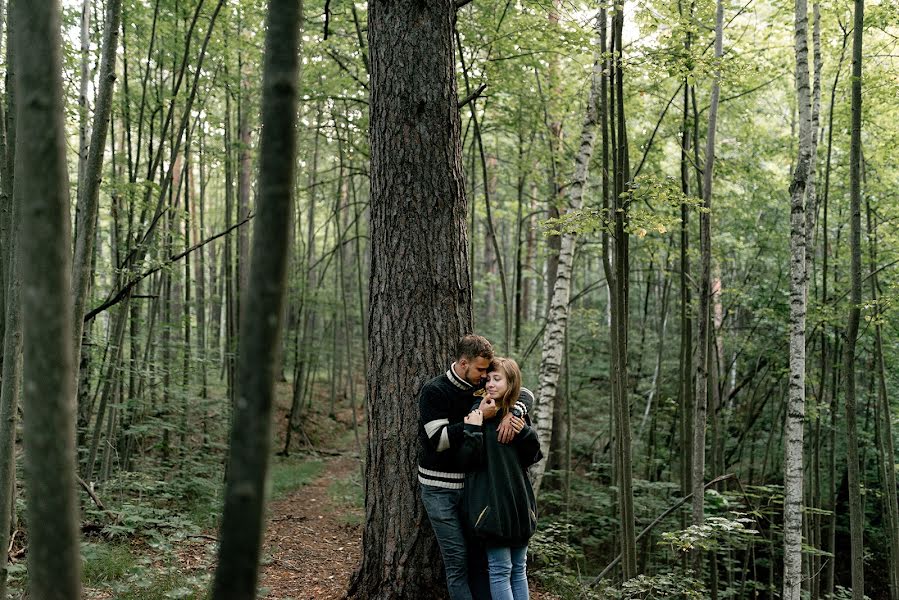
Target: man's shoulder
436 384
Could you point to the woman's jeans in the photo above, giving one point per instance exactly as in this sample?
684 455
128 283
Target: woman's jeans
508 573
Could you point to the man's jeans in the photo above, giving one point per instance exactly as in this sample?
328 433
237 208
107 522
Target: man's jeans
444 508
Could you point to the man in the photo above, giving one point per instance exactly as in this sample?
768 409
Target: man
446 418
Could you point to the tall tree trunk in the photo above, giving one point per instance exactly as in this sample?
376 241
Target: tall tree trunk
795 415
883 422
89 192
415 158
856 512
619 295
49 368
830 547
9 392
242 519
557 318
685 366
703 352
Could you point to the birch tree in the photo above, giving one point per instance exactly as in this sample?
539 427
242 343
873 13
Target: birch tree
795 413
557 318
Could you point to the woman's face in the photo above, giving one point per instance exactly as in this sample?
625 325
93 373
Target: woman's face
496 384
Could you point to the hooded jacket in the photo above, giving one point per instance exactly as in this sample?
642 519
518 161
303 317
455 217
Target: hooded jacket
499 504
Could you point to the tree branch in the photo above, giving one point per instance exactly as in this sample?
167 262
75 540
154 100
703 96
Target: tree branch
90 492
473 96
120 295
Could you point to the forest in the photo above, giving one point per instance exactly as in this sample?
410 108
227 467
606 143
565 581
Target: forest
237 237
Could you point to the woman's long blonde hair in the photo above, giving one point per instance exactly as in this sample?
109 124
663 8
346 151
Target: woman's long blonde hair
509 368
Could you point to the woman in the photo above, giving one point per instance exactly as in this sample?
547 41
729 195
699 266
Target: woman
499 501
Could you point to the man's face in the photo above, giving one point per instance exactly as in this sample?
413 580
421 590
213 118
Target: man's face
474 370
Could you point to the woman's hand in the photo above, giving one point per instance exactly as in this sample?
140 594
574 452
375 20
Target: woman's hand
475 417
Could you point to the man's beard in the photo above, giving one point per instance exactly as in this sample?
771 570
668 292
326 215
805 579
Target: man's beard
467 375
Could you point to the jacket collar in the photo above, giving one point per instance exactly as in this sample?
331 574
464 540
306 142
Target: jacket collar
456 380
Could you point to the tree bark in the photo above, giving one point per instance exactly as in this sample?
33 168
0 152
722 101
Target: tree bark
794 427
856 512
9 393
703 352
419 285
89 193
49 368
242 519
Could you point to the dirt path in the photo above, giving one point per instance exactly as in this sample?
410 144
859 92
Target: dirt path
312 546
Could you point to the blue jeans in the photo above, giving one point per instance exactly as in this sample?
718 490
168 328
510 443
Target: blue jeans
444 508
508 573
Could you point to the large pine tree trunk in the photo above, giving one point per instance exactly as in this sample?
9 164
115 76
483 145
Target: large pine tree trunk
49 369
795 414
242 519
419 287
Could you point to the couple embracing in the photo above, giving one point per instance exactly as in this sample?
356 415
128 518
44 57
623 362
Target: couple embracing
476 444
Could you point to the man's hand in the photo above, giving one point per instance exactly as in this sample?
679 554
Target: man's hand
509 428
488 408
475 417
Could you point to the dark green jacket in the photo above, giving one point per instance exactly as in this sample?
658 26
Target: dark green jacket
498 501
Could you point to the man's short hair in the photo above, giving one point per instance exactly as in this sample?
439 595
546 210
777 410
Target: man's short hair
473 346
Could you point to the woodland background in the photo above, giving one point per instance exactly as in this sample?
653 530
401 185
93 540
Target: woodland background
624 189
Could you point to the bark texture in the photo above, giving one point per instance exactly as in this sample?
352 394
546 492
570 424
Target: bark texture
260 331
703 353
9 394
89 190
794 427
45 250
856 510
419 286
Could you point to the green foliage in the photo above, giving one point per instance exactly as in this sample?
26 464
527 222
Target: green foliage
714 533
649 203
672 585
553 544
168 584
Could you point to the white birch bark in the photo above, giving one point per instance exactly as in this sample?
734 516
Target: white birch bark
795 414
557 318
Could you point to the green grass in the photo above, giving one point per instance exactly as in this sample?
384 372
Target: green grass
348 494
164 586
292 473
105 562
